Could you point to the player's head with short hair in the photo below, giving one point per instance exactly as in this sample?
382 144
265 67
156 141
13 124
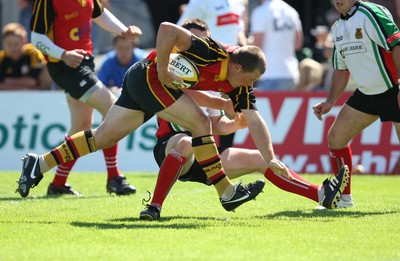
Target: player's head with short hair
250 57
117 38
197 26
246 65
124 49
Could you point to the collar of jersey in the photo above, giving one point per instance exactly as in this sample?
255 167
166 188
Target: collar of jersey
351 12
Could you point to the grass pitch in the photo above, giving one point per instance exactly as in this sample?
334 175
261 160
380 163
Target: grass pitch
193 226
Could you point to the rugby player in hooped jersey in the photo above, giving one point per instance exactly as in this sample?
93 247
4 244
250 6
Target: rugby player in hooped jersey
366 46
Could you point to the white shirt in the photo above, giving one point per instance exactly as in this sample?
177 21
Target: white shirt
224 17
362 45
279 23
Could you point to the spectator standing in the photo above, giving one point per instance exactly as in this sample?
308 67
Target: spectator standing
277 30
71 66
22 67
116 62
224 18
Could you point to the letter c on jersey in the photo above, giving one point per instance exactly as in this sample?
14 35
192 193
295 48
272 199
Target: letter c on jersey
74 34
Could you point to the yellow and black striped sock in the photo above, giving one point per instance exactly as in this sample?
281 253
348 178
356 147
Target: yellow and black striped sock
77 145
206 154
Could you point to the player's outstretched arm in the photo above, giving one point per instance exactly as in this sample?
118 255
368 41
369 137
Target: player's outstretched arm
112 24
261 136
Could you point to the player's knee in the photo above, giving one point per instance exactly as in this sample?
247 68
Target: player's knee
335 140
184 147
104 139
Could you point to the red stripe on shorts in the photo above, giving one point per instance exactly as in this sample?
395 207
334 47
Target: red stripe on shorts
160 92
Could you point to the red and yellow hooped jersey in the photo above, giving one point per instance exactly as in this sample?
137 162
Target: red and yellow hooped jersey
67 23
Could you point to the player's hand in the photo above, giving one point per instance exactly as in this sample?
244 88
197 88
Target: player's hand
322 108
279 168
169 79
73 58
132 32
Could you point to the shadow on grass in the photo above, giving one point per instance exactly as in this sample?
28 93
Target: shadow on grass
324 213
166 218
164 222
13 222
69 197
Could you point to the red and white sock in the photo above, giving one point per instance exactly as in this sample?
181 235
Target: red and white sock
110 156
297 186
62 172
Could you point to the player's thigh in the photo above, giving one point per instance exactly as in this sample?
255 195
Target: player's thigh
186 113
238 162
347 125
118 123
81 115
102 100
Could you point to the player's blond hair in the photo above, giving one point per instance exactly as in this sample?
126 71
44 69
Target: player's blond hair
14 29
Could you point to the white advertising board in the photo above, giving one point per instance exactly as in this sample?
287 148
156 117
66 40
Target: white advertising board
36 121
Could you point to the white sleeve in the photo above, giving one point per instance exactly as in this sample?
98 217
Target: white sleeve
214 112
211 112
258 21
337 59
46 46
110 23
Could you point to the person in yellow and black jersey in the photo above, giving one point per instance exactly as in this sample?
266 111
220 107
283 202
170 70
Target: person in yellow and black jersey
22 67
